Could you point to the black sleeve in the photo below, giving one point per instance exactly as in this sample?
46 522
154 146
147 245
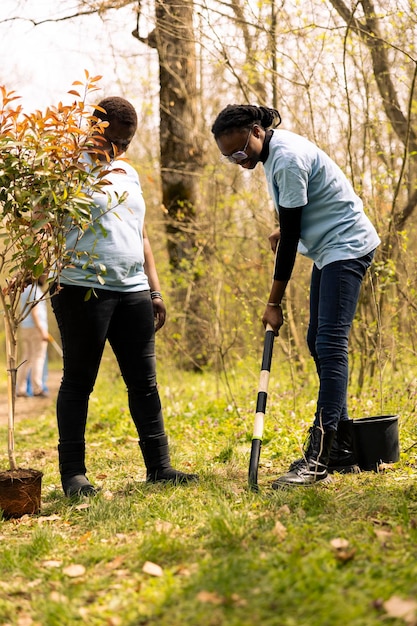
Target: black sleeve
290 226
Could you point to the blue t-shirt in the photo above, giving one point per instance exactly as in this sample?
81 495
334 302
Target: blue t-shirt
334 226
112 255
33 293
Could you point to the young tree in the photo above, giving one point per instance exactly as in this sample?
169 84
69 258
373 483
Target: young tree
46 187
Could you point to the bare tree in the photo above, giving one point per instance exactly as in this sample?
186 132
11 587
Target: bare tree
399 115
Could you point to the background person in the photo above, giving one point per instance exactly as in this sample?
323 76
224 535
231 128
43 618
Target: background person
125 310
321 216
34 339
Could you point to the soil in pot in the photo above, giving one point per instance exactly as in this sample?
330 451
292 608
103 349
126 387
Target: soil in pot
20 492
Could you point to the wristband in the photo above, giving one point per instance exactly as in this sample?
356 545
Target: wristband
156 294
274 304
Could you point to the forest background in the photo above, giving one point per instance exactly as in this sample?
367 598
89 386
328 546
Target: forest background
341 73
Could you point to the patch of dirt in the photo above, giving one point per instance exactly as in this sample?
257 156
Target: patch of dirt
32 407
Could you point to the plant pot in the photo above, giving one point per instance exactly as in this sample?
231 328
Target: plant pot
376 441
20 492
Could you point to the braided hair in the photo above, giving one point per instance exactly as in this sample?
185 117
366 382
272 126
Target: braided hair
241 116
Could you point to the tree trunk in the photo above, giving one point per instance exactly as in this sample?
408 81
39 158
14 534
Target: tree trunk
11 356
178 125
181 163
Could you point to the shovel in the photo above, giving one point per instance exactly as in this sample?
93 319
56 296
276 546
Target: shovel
258 428
55 344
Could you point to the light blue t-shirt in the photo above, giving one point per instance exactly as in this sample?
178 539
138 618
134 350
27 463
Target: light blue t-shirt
33 293
112 247
334 226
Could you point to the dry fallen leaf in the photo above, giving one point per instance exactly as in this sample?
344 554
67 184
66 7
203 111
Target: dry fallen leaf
383 535
342 551
152 569
24 620
209 597
74 571
284 510
339 543
405 609
384 467
84 505
238 600
115 563
52 563
345 555
122 573
48 518
162 526
57 597
279 530
183 571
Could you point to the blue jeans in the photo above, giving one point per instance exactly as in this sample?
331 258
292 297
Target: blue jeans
334 294
126 320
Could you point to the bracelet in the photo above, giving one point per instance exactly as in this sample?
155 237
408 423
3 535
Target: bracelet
156 294
274 304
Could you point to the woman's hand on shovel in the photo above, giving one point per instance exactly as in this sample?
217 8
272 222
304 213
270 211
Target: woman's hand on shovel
274 317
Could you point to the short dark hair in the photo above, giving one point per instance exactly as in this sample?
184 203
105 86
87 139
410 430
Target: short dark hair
240 116
119 110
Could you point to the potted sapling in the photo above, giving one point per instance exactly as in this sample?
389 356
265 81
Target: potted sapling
46 184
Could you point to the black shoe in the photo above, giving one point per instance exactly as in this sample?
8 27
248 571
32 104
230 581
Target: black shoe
312 469
304 475
171 476
78 485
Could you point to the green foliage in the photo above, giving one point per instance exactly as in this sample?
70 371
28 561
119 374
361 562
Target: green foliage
46 184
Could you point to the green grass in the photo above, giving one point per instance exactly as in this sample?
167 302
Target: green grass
230 557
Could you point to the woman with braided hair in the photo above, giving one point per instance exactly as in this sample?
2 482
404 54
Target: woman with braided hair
321 217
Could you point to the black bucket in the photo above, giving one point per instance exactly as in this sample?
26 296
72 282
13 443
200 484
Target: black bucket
376 441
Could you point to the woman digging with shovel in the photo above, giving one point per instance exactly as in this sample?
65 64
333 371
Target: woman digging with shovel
125 307
320 216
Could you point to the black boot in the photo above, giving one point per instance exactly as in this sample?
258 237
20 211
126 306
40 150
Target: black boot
306 448
72 468
313 468
158 465
342 455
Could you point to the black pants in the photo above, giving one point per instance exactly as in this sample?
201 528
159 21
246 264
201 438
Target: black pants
127 321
